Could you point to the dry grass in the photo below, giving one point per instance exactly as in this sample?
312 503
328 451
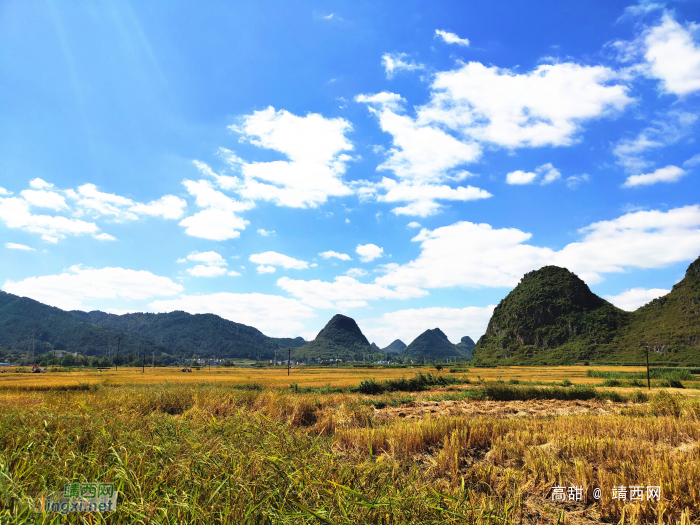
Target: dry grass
198 451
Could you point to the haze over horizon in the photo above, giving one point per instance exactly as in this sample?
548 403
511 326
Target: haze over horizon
403 164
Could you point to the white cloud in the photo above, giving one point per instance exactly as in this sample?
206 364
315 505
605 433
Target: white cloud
104 237
322 294
369 252
451 38
409 324
266 269
413 225
278 259
545 107
272 314
477 255
213 224
213 265
168 207
233 273
692 161
668 129
71 289
422 157
548 172
632 299
201 270
14 246
14 212
3 191
100 203
420 153
356 272
210 258
336 255
44 199
394 62
673 56
39 184
520 177
667 174
315 148
573 181
265 233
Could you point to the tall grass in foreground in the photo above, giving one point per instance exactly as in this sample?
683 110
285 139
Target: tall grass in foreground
206 454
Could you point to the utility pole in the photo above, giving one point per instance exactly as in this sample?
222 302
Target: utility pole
289 359
116 361
648 377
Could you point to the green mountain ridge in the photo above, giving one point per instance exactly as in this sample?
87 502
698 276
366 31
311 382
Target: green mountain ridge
341 338
432 345
552 317
26 324
395 347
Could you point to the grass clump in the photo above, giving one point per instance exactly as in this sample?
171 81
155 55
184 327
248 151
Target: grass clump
667 373
503 392
417 383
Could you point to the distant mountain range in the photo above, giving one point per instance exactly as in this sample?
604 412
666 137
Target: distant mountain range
552 317
27 324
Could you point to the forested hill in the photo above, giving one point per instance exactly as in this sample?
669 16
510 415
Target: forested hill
26 323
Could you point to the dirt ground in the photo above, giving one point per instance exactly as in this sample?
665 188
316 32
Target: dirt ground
498 409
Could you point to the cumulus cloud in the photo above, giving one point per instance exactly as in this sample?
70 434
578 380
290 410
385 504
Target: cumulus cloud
547 172
335 255
339 293
213 264
544 107
104 237
201 270
44 199
478 255
266 269
413 225
356 272
369 252
423 157
273 314
394 62
3 191
168 207
17 212
73 289
218 221
409 324
315 147
667 174
15 246
520 177
632 299
451 38
265 233
278 259
673 55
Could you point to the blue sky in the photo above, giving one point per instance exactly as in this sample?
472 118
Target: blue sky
404 163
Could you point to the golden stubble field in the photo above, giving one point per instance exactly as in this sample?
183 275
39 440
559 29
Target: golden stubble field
240 446
302 376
